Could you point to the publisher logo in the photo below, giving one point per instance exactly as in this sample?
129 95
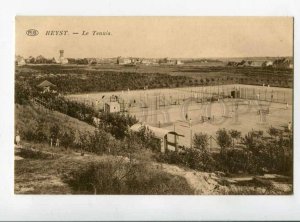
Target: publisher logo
32 32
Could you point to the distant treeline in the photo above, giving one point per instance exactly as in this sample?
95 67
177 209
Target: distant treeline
81 80
100 81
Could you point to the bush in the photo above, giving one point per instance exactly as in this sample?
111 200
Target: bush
37 136
117 124
273 132
192 158
223 139
34 154
22 93
29 135
200 141
235 135
122 177
147 139
234 161
67 139
97 142
54 131
268 155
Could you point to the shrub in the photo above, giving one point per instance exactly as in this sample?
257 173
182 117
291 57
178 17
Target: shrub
23 92
67 139
29 135
96 142
235 135
223 139
147 139
41 136
200 141
34 154
34 135
234 161
117 124
192 158
54 131
122 177
273 132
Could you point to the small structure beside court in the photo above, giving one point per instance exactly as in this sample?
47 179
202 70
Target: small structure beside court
112 107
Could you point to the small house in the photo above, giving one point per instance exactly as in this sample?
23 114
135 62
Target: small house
47 86
112 107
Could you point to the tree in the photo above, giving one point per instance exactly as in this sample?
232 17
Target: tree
200 141
22 92
99 141
235 135
147 138
68 139
273 131
249 141
223 139
207 81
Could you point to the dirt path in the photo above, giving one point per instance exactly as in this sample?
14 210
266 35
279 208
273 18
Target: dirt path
200 182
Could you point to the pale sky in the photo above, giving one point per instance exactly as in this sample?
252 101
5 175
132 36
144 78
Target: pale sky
177 37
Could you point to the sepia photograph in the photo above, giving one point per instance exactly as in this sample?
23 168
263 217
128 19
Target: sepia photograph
136 105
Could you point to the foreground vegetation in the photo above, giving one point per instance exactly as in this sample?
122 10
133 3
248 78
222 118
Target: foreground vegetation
255 154
67 172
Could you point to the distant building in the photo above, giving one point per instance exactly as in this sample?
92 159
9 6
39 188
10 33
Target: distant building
20 61
167 61
61 59
146 62
123 61
178 62
149 62
30 59
112 107
257 63
267 64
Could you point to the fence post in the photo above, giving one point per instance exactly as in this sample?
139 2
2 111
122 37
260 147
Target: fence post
210 143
